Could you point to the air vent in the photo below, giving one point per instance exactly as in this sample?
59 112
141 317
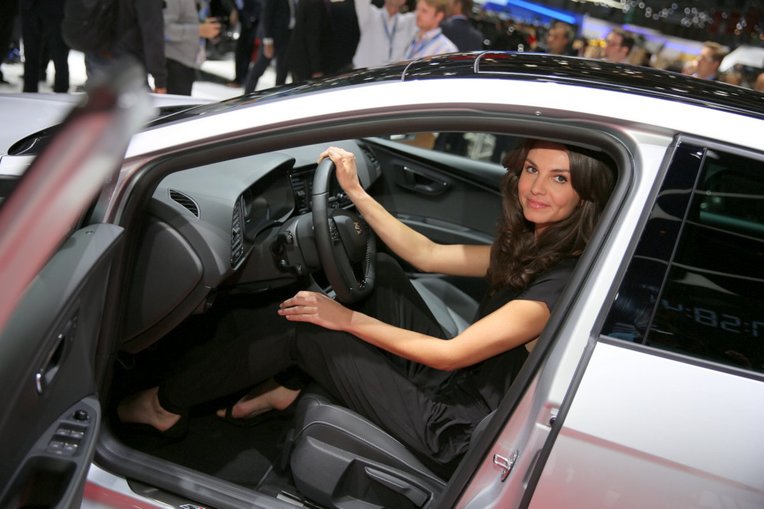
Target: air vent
185 201
372 159
237 233
302 184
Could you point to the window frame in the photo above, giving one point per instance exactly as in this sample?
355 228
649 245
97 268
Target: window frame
682 145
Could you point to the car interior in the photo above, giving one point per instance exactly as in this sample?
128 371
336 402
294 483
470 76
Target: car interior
216 234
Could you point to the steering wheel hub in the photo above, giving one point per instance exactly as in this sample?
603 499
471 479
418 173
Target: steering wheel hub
337 240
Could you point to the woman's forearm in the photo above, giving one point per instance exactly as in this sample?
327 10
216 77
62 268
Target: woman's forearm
405 242
430 351
515 324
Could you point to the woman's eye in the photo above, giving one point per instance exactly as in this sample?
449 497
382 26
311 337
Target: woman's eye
561 179
531 169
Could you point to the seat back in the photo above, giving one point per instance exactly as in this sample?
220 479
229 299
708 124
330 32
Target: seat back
452 307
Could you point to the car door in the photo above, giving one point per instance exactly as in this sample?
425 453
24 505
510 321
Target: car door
53 277
444 185
667 410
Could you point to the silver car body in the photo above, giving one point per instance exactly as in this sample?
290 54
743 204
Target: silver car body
618 446
602 423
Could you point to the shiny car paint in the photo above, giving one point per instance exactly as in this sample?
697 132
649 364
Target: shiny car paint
583 426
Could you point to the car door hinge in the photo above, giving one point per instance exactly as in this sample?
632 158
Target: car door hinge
506 463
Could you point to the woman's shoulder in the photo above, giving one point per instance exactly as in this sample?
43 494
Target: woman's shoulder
548 285
546 288
563 268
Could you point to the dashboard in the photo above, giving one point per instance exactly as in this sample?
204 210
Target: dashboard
213 225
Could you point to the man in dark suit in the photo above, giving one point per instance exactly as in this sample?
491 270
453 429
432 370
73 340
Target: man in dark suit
248 13
138 34
8 12
345 34
324 39
559 39
310 41
457 26
41 25
276 23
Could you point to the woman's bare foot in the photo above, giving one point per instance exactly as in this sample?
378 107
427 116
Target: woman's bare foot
267 396
144 408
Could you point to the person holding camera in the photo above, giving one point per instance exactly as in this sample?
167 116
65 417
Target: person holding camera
184 43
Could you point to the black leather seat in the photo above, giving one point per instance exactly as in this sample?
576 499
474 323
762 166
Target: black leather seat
340 459
452 307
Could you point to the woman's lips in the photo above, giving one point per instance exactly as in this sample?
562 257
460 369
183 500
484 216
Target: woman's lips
536 204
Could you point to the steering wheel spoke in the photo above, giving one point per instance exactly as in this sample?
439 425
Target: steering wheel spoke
342 239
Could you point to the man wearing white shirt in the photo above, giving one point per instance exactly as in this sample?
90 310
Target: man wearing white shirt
385 32
429 39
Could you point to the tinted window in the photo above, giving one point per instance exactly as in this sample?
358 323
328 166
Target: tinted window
696 284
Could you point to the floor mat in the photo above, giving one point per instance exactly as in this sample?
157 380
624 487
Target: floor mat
242 455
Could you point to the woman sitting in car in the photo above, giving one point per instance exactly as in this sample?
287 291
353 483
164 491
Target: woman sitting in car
386 357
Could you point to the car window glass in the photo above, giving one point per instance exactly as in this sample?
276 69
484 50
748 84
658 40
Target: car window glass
478 146
708 297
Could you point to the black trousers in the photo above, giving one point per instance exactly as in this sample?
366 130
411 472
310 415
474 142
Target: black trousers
257 69
38 30
180 78
419 405
243 51
7 18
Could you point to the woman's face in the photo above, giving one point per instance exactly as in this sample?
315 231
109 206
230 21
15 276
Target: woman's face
545 190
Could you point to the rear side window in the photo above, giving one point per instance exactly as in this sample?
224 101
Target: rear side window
696 283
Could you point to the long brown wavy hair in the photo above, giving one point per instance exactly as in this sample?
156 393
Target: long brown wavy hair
517 254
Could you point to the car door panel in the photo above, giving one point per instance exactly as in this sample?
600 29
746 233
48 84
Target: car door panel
50 416
420 180
50 475
54 278
450 199
621 445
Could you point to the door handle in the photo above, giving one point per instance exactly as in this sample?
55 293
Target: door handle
45 375
505 464
421 182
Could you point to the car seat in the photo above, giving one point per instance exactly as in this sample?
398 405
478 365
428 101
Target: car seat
453 308
339 459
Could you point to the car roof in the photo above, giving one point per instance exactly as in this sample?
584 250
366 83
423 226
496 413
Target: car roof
49 109
599 74
26 134
525 67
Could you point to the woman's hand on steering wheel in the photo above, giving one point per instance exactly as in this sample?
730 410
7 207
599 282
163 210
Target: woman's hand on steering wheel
316 308
345 170
346 245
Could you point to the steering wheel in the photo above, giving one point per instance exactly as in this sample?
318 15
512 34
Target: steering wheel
343 239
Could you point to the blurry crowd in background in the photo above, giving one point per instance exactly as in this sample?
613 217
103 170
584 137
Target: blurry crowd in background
307 39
